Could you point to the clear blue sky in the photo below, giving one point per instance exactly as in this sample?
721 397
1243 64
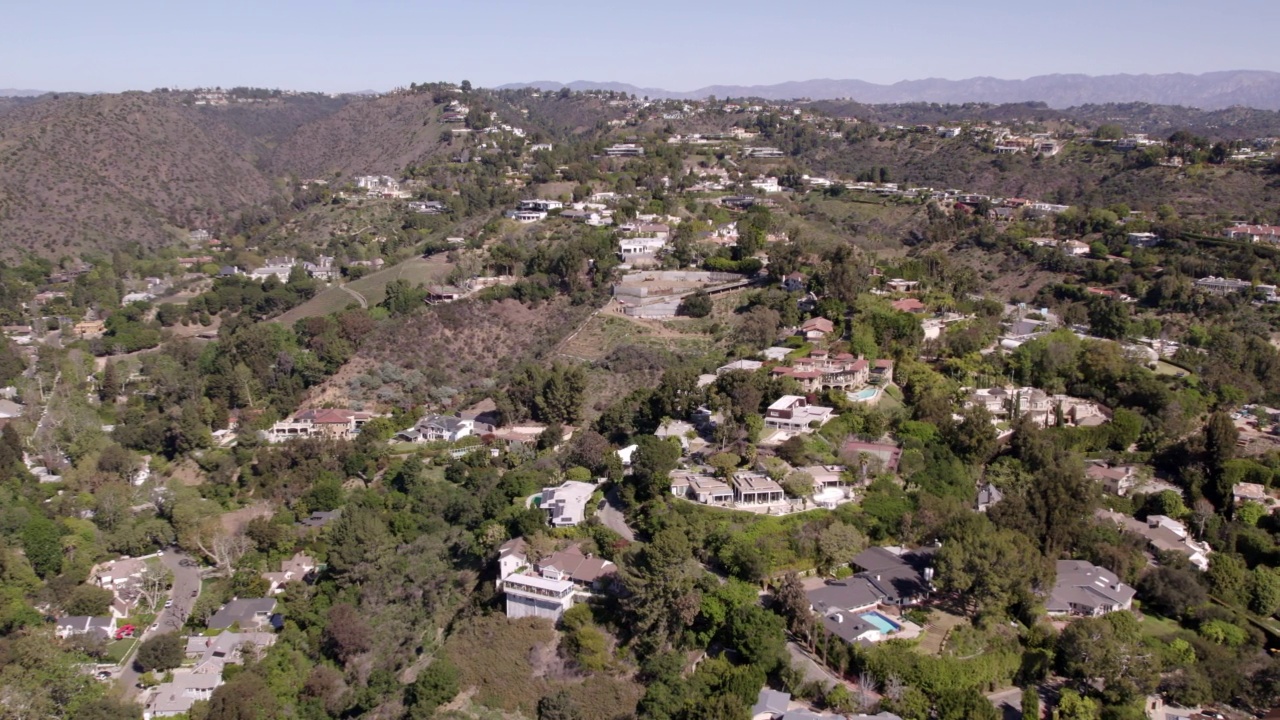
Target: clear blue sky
343 45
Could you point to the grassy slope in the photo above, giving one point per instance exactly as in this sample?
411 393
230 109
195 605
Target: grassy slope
372 286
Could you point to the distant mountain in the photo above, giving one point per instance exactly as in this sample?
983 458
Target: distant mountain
10 92
1211 91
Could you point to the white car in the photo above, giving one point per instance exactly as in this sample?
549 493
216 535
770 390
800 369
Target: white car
168 603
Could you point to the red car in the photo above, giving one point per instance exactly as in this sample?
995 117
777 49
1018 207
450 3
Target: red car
124 631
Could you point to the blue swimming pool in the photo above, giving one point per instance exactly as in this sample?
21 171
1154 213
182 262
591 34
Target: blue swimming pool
864 394
882 622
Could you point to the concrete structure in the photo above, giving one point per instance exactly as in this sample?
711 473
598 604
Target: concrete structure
751 488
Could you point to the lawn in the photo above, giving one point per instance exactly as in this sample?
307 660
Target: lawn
417 271
940 624
1158 627
118 650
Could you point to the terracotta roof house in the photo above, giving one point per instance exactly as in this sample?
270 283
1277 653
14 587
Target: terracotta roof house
816 328
909 305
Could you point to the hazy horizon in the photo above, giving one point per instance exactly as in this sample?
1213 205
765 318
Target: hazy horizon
341 46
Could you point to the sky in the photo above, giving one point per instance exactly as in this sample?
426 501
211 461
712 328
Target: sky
679 45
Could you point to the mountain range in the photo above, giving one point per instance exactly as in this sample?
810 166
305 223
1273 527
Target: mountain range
1211 91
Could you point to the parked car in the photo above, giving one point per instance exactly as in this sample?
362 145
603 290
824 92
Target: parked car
168 603
195 593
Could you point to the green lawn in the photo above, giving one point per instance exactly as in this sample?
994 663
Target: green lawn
1158 627
417 271
117 651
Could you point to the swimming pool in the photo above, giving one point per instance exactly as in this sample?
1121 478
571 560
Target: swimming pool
864 394
882 622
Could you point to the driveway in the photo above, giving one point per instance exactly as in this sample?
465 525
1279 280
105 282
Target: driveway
610 513
186 579
813 671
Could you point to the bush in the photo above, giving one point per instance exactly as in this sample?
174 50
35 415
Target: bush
697 305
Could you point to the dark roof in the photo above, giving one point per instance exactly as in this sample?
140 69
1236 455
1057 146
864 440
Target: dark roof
243 611
897 577
321 518
578 567
846 626
854 592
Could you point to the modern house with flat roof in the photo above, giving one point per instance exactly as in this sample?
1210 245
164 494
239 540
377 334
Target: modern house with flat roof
535 596
566 504
794 413
751 488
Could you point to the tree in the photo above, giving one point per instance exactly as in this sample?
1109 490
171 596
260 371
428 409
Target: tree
965 704
974 437
436 685
1030 704
160 652
1171 591
651 465
109 388
758 636
346 634
245 696
358 542
1109 649
154 583
88 600
838 544
1073 706
697 305
791 601
758 328
993 568
1228 577
1220 438
1264 591
42 543
559 706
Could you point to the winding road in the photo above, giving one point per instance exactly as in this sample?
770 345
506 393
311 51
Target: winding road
610 513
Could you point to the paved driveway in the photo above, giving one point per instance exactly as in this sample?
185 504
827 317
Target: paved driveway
610 514
186 579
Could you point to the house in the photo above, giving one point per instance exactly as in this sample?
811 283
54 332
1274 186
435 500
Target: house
437 294
1116 480
882 372
678 429
584 570
1143 239
1254 233
279 268
745 365
540 205
1227 286
795 414
1163 534
700 487
1246 492
900 576
863 454
902 286
624 150
908 305
329 423
104 625
770 705
795 282
767 153
819 371
535 596
228 648
178 695
1074 248
751 488
629 247
1084 589
244 612
526 216
988 495
297 567
10 409
320 518
816 328
90 328
439 428
566 504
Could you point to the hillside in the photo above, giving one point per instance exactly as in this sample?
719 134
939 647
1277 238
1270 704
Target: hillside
381 135
97 171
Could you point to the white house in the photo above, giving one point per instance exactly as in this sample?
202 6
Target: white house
536 596
566 504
